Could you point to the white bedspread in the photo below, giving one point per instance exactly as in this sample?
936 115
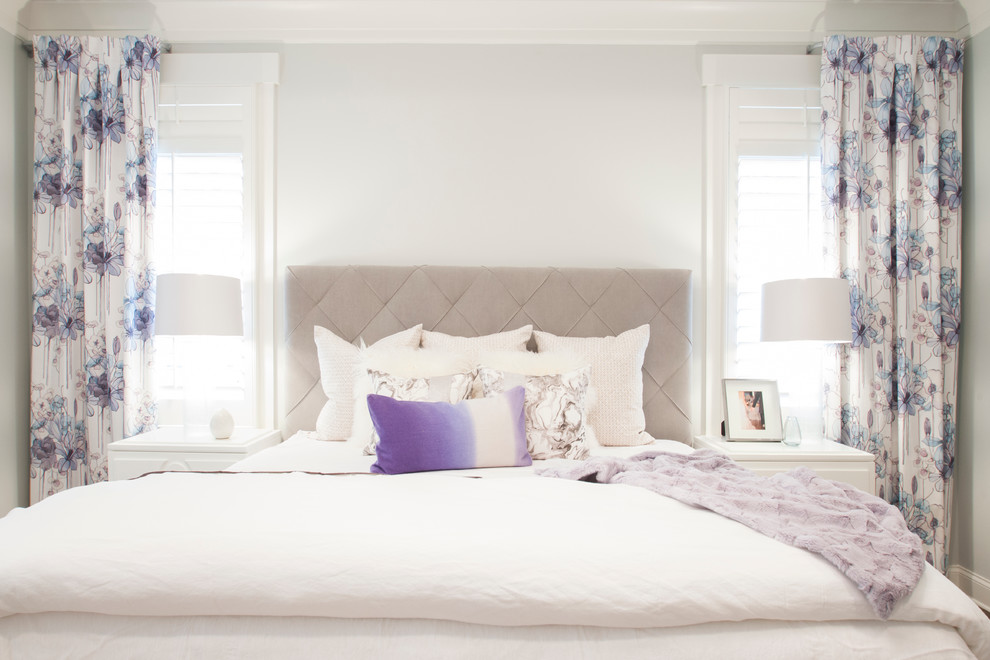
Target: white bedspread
512 551
304 451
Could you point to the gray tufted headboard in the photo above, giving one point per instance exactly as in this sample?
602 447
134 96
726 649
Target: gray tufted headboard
372 302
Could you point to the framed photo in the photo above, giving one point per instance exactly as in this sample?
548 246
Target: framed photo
752 410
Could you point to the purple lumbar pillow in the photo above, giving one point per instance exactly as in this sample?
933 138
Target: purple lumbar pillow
416 436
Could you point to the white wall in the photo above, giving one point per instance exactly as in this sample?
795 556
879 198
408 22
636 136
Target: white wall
970 544
15 321
491 155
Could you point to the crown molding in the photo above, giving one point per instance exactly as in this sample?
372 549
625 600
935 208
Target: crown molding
497 21
437 21
895 17
8 15
978 14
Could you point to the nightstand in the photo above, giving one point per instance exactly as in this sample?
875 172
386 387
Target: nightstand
829 459
169 449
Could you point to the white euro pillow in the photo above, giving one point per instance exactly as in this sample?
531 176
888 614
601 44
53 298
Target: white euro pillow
529 363
415 362
341 375
616 377
473 347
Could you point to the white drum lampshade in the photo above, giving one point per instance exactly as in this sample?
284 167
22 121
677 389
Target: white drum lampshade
812 309
190 304
809 310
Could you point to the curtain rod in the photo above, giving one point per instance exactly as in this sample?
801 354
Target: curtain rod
167 48
29 48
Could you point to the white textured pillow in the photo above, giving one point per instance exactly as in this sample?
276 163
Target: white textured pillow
473 347
617 377
340 375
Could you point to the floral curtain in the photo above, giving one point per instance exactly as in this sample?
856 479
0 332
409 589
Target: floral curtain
96 101
891 111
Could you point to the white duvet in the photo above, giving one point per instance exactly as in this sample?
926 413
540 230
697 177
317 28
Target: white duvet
511 551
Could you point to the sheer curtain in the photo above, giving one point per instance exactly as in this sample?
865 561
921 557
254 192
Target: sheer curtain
96 102
891 110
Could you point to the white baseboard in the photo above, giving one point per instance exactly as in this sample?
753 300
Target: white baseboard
975 586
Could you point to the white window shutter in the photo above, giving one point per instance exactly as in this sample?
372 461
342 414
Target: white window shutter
775 232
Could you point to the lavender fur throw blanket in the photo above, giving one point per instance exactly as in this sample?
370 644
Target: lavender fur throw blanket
865 537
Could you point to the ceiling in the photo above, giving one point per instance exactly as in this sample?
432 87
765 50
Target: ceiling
495 21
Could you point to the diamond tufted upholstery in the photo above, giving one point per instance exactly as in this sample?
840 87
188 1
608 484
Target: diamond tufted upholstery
371 302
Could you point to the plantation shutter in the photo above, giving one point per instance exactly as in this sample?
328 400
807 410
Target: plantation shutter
775 231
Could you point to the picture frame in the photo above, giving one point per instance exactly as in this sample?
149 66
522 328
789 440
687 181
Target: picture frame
752 410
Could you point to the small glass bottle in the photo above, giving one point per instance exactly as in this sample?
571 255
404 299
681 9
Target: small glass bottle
792 432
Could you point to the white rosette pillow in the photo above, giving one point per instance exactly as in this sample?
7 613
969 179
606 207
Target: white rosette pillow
556 399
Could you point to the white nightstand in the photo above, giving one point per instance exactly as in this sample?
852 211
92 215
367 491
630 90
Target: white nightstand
168 449
829 459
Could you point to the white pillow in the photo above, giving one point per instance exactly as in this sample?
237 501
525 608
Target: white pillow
415 362
617 378
339 375
473 347
529 363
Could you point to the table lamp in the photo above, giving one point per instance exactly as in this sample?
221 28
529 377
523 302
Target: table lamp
190 304
814 309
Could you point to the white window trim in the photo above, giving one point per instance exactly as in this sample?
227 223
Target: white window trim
262 71
720 73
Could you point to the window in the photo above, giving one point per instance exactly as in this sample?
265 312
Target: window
210 218
765 225
775 233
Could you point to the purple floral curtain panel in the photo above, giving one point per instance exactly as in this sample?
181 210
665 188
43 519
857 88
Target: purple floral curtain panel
891 111
96 103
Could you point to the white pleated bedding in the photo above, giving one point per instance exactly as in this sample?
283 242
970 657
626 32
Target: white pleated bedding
437 565
301 638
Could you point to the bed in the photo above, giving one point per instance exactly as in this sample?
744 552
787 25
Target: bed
301 551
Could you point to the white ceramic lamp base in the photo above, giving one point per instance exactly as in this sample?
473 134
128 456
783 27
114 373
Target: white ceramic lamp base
222 424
